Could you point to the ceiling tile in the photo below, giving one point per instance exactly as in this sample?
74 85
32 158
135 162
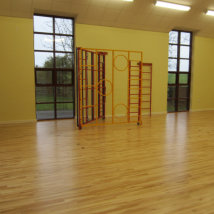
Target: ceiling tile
140 14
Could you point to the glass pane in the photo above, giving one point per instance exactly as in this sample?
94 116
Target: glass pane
184 52
171 106
64 43
65 110
64 60
183 78
64 26
183 91
173 50
64 94
184 65
173 37
43 42
64 77
44 77
171 91
172 65
185 38
171 78
44 111
44 94
43 24
182 105
43 60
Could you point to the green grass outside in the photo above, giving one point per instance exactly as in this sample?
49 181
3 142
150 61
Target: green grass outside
183 78
50 107
171 106
51 99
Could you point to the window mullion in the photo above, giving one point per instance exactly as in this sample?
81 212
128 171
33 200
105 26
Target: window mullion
177 74
54 70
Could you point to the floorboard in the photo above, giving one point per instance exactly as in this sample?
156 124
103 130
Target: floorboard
162 167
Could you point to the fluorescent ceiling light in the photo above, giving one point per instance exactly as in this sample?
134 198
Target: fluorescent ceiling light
210 13
172 6
129 0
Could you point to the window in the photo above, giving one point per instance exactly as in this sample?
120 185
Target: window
54 67
179 70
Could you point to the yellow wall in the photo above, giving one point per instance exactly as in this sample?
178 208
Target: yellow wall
202 96
154 46
17 90
17 93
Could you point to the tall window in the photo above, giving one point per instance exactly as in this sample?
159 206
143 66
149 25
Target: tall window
54 67
179 70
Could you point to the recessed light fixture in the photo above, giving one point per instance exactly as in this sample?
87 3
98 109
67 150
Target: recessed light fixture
172 5
210 13
129 0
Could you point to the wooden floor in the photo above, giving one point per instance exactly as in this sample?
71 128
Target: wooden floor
164 167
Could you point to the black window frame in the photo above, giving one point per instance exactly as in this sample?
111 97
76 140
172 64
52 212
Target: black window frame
54 69
177 84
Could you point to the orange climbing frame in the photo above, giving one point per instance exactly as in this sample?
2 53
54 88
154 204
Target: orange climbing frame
106 81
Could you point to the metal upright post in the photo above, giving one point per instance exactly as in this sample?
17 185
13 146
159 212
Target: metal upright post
140 94
104 86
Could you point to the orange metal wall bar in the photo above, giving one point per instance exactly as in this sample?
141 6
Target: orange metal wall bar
149 87
129 89
113 64
98 90
104 86
140 94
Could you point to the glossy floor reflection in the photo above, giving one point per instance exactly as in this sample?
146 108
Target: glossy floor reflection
162 167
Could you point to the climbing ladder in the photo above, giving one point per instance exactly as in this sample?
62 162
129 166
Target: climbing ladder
95 86
101 86
147 88
91 86
135 90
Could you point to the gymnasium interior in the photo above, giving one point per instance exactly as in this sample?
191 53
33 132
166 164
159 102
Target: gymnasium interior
107 107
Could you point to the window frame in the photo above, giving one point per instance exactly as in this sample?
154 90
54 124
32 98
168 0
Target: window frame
55 69
177 84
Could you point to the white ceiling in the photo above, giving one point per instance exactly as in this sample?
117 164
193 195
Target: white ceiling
140 14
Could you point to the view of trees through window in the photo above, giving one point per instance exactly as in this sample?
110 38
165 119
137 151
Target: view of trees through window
179 70
54 67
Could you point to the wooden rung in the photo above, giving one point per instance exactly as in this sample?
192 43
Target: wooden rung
136 88
134 103
145 108
86 86
133 112
87 65
146 72
143 87
89 69
88 106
